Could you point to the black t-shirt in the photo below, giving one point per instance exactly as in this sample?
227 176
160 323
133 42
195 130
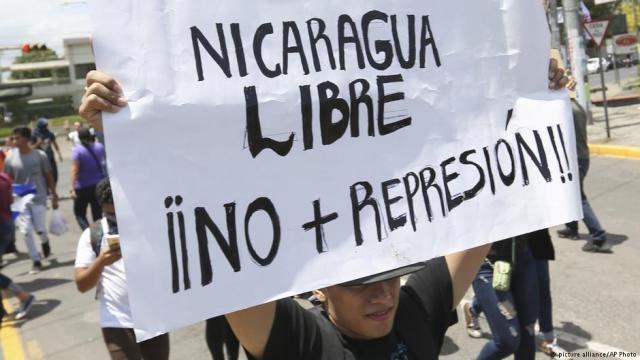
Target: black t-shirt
47 139
423 316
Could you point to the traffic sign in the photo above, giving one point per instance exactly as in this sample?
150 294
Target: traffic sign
625 44
597 30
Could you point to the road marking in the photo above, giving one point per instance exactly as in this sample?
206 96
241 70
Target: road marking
584 343
588 344
10 338
626 152
34 350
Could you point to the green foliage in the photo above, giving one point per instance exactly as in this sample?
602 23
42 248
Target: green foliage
38 56
57 124
5 132
626 7
24 112
602 11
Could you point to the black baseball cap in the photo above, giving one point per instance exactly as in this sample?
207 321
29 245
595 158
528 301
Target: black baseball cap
386 275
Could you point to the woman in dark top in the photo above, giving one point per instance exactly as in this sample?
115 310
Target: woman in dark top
87 169
543 251
511 314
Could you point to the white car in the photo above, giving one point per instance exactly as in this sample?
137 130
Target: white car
593 65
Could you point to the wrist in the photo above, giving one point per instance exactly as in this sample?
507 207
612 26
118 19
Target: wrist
100 261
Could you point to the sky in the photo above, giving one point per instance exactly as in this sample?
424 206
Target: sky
41 21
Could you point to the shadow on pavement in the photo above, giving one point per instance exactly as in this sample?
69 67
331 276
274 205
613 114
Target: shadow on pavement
448 347
9 259
42 283
616 239
573 329
569 346
612 239
624 125
40 307
53 263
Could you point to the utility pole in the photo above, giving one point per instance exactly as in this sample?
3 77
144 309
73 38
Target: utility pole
575 49
635 18
635 21
553 23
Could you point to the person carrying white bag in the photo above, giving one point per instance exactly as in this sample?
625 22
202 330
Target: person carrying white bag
31 166
58 224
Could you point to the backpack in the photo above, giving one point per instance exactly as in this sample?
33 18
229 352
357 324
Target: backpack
97 233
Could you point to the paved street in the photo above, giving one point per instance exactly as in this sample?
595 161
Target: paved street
595 295
63 324
609 76
184 83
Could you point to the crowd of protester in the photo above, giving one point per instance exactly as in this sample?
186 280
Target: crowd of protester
368 318
376 318
511 287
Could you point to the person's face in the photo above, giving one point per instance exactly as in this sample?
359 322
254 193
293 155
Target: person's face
76 125
20 141
363 311
10 142
108 210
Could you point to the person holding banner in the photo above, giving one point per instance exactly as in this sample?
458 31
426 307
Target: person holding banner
368 318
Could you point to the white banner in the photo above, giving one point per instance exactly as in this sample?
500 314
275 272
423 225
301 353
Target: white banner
274 147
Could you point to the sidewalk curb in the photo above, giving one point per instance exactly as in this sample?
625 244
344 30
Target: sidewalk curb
618 100
12 345
628 152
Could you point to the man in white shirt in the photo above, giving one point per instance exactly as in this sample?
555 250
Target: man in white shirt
73 136
99 263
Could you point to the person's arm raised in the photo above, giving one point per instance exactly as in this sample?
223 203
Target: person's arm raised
557 77
252 327
102 93
463 267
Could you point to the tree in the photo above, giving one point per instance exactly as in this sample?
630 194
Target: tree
34 56
602 11
626 7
